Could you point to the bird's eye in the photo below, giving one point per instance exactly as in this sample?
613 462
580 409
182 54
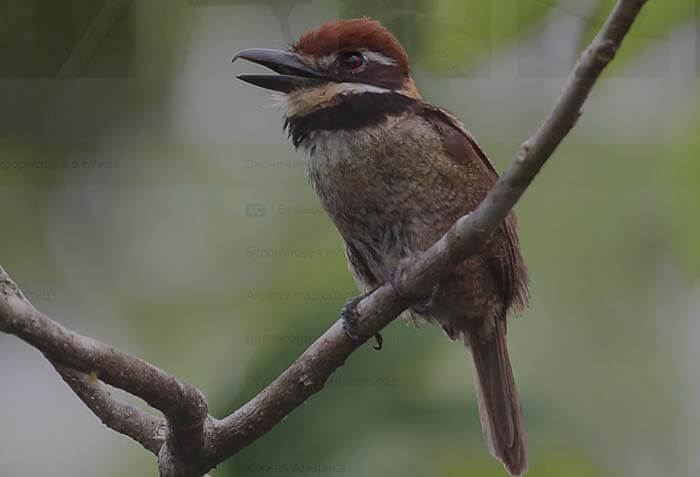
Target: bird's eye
351 60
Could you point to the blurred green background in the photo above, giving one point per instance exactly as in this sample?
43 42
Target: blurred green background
152 201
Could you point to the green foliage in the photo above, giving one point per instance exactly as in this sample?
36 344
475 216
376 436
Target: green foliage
651 30
36 36
682 169
161 257
553 463
452 36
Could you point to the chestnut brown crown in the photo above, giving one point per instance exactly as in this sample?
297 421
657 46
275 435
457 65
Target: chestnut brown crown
349 35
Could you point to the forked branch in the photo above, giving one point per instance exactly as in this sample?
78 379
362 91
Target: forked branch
189 442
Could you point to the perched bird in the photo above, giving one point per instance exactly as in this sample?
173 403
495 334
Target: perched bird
394 173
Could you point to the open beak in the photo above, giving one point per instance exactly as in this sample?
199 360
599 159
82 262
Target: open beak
293 74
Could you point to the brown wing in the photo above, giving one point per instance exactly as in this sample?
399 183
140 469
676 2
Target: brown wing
360 267
507 265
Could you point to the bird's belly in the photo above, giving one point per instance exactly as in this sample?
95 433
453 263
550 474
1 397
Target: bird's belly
367 198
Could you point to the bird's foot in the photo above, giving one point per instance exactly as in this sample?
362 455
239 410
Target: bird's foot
350 318
428 305
379 340
395 280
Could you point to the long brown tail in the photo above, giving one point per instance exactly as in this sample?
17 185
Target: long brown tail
499 408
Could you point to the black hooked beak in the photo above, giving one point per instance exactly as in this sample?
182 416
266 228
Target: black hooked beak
293 74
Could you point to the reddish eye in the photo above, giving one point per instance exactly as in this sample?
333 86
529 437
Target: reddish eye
352 60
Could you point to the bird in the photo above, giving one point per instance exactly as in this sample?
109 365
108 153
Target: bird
393 173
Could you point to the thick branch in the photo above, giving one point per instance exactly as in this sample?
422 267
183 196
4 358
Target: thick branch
194 442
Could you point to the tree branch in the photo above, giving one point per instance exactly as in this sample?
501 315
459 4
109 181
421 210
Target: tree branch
144 428
183 405
191 443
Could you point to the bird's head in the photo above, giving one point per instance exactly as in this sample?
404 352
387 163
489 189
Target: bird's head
334 61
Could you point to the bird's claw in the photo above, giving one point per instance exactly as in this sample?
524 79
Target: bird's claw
349 318
380 342
396 286
395 280
428 304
